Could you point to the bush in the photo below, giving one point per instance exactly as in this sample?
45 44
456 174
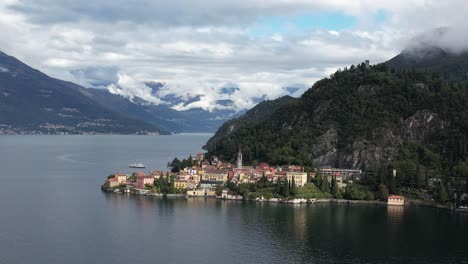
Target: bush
357 192
309 190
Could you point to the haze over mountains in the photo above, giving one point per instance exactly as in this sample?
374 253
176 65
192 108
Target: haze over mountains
32 102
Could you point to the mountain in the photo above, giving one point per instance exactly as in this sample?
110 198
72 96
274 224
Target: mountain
255 115
393 114
32 102
162 116
450 66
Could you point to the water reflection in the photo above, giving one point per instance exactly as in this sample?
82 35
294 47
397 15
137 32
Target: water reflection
395 215
250 232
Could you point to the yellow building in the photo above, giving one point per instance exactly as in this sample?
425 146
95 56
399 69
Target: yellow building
121 178
180 184
300 178
214 176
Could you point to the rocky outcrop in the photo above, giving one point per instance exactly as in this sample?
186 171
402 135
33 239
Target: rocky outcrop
325 151
362 152
419 127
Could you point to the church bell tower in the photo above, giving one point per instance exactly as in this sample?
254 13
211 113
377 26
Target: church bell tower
239 159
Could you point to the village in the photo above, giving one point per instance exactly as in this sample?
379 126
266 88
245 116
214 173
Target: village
215 178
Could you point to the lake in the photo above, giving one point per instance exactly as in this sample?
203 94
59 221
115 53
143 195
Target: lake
53 211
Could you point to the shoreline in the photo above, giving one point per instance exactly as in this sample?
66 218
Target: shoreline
410 202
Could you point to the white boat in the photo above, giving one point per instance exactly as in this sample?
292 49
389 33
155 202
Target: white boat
137 165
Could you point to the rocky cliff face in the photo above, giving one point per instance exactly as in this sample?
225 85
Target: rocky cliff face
419 128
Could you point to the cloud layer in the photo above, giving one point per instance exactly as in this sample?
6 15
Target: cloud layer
200 49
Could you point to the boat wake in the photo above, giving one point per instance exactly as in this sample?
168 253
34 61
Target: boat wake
68 158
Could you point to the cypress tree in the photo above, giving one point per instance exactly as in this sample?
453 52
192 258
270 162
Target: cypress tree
325 187
334 184
336 189
319 181
293 186
172 184
286 188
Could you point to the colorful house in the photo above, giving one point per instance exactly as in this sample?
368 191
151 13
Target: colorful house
143 180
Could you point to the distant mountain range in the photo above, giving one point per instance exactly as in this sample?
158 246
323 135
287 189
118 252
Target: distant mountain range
162 116
32 102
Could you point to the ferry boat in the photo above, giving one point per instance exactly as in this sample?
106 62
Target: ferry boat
137 165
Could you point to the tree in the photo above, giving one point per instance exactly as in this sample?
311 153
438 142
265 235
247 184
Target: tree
293 187
244 189
286 188
441 195
383 192
176 165
219 190
232 186
353 192
391 182
263 182
325 187
336 189
318 180
172 184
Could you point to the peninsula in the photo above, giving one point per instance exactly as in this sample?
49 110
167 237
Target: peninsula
201 177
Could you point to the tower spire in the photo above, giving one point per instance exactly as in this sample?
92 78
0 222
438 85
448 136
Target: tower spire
239 158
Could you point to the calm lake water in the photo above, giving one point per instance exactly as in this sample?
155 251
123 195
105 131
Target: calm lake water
52 211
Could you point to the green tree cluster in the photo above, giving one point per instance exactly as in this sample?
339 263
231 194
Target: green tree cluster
177 165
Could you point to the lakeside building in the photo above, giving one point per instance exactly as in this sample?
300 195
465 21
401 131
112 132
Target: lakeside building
214 177
180 184
347 174
111 183
143 179
300 178
396 200
201 192
121 178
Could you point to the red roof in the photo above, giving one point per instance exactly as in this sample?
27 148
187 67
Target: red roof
396 197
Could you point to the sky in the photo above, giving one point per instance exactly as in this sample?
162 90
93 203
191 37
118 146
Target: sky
206 52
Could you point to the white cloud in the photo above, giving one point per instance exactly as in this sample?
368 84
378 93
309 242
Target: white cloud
129 87
199 47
